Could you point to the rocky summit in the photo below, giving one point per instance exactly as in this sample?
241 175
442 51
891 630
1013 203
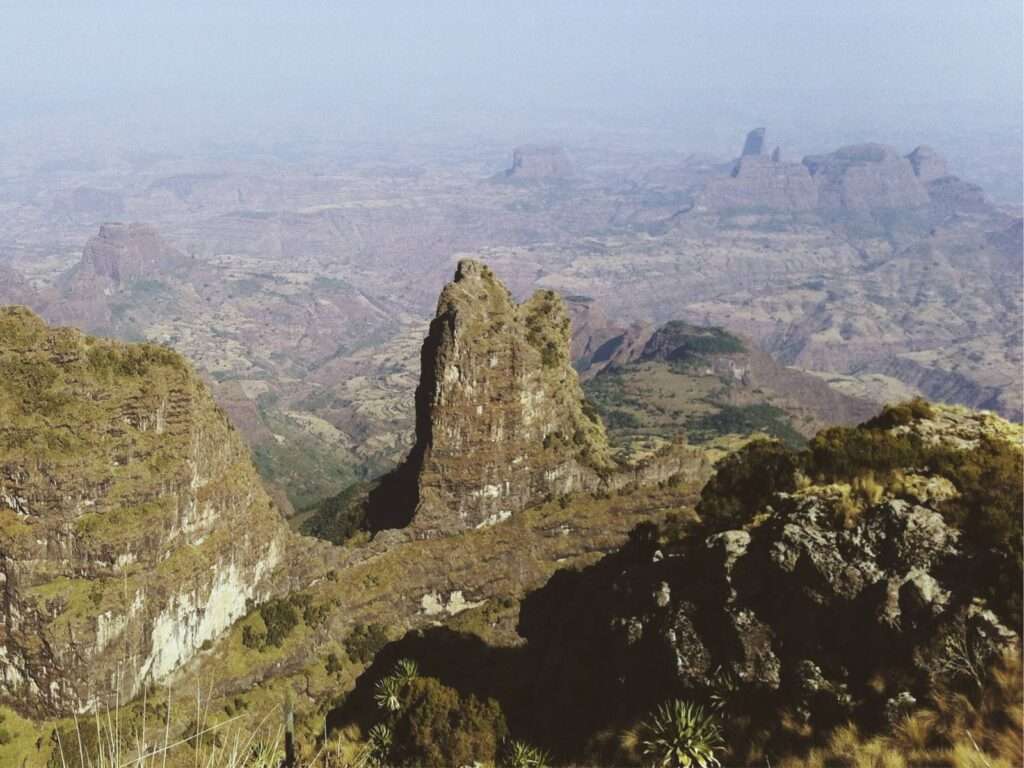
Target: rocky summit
133 527
501 423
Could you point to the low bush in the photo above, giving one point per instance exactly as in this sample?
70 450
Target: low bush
441 727
364 641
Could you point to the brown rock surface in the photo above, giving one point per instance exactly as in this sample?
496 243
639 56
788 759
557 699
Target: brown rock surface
500 417
133 527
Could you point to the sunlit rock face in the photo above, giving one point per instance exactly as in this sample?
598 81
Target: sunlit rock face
500 417
133 527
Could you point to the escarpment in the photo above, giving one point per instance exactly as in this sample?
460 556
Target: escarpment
133 527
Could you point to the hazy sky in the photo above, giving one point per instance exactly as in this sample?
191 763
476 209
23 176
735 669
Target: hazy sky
403 60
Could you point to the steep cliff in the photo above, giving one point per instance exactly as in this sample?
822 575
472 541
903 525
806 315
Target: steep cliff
133 528
501 422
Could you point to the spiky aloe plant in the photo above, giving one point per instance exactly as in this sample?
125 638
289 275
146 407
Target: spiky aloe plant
519 754
406 670
375 751
681 735
388 694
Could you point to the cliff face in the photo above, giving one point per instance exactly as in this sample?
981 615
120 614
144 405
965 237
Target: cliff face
500 417
133 527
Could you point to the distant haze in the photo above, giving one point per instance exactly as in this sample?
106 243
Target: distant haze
691 74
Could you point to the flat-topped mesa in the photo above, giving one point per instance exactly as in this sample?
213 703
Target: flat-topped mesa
133 526
501 423
534 162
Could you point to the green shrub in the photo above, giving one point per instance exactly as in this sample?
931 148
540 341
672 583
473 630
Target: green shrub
745 420
339 517
334 664
280 618
441 727
680 735
364 641
901 414
251 638
519 754
744 481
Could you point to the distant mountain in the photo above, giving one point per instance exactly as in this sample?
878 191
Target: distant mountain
704 383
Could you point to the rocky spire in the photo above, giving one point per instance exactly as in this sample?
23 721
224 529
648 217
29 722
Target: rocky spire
501 423
754 144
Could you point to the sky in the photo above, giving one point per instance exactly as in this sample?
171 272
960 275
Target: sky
409 67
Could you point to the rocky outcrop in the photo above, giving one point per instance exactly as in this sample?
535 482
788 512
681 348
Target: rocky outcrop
535 162
866 177
826 603
500 417
858 179
133 527
928 164
754 144
127 274
122 253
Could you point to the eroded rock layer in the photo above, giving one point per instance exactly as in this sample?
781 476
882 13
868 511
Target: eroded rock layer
133 527
501 422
